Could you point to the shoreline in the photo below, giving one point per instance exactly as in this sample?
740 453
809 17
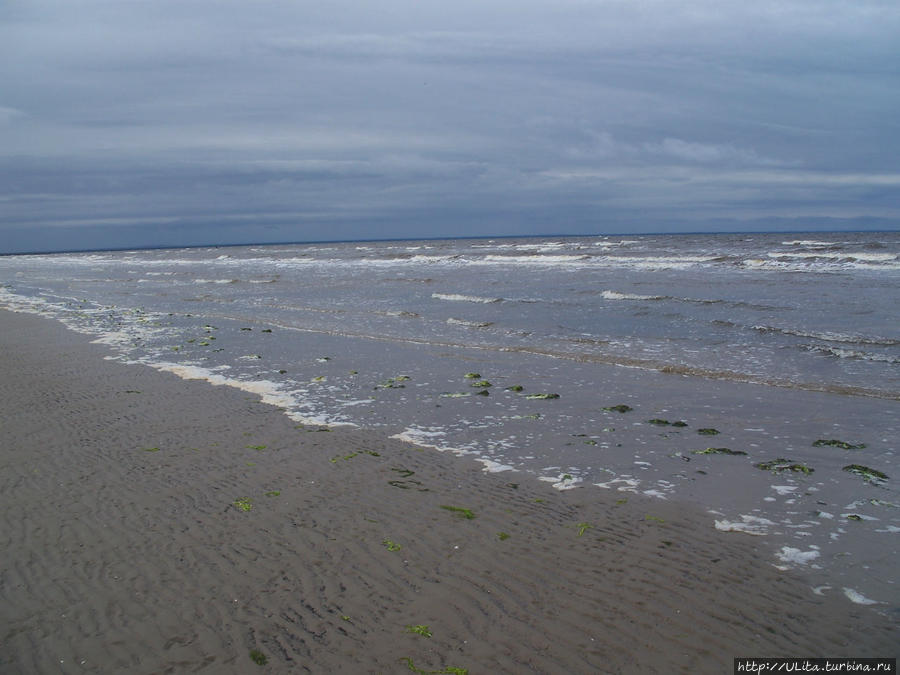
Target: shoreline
129 547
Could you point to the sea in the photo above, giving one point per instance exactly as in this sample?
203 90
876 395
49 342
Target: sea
756 375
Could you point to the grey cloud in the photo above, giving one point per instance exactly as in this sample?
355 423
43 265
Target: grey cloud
568 114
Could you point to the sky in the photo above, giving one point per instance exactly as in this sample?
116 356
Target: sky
127 123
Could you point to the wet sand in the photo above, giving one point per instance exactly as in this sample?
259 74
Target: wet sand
152 525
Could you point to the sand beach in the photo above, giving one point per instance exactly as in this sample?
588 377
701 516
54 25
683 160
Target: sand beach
157 525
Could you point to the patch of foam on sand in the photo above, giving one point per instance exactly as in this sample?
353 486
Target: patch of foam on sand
859 598
426 437
794 556
621 484
748 525
270 393
563 481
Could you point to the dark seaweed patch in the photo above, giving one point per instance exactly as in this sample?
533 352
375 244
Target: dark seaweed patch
779 465
834 443
719 451
871 475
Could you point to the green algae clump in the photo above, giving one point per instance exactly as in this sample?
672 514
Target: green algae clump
258 657
420 629
834 443
243 504
719 451
461 512
449 670
871 475
779 465
621 408
708 431
541 397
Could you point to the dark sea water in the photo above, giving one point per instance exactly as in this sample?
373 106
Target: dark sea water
774 340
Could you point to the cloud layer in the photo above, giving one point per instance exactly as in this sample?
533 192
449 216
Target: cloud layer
134 122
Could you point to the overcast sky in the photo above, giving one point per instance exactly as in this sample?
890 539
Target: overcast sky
158 122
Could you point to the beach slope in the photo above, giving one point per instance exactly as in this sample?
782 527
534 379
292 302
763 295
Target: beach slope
152 524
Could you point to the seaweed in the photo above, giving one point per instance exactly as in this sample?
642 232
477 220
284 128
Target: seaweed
834 443
266 330
658 422
393 382
337 458
408 485
482 384
483 392
708 431
449 670
256 447
390 545
420 629
456 395
405 473
590 441
503 536
781 464
151 449
258 657
541 397
243 504
273 493
515 387
679 423
719 451
582 528
461 512
654 518
871 475
472 376
621 408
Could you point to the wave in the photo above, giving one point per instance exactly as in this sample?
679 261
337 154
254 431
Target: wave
842 353
457 297
470 324
810 243
615 295
528 259
829 336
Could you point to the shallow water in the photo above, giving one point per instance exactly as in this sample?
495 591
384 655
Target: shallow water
774 340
